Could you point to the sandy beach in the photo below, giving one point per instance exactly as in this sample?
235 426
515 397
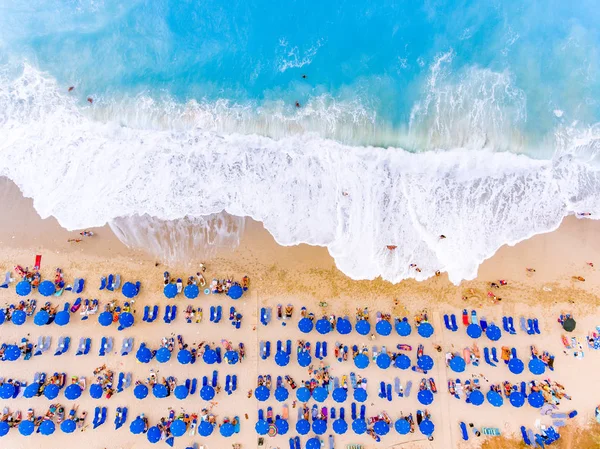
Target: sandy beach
303 276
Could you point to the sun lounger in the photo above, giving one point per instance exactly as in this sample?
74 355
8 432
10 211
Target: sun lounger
464 432
353 411
79 285
523 324
288 347
483 323
447 322
60 349
117 284
536 326
102 283
505 324
146 313
388 392
219 314
215 378
173 313
486 356
558 423
267 349
530 330
167 316
127 380
110 284
120 382
127 346
408 388
318 350
525 436
453 323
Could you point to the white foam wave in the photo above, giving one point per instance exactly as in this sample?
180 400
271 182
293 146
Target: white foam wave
305 189
292 57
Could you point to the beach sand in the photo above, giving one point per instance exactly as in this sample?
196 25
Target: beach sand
302 276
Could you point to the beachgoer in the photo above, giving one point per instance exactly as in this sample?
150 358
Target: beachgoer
442 236
297 104
90 100
303 76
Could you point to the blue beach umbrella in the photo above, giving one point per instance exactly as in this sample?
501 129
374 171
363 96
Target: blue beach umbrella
51 391
304 358
96 391
46 288
210 356
516 399
536 399
170 291
261 427
47 427
476 397
313 443
126 320
178 428
4 428
23 288
403 328
402 361
31 390
143 354
381 428
339 395
18 317
184 356
359 426
262 393
516 366
191 291
181 392
205 428
493 332
105 319
536 366
425 362
163 355
426 427
68 426
282 426
62 318
232 357
340 426
235 292
494 398
425 397
383 327
72 392
281 394
129 290
7 391
227 429
302 426
363 327
360 394
26 428
402 426
137 426
383 361
319 426
303 394
41 318
425 330
160 391
140 391
305 325
361 361
207 392
323 326
343 326
473 330
457 364
319 394
153 434
282 358
12 353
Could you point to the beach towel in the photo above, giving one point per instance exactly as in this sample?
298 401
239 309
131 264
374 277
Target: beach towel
38 262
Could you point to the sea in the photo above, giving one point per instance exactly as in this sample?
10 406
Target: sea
371 128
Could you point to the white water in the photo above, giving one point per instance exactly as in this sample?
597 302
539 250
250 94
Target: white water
305 189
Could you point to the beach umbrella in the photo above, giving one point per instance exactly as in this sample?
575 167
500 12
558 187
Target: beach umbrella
191 291
457 364
62 318
41 318
494 398
105 319
402 426
383 327
26 428
403 328
282 426
361 361
402 361
302 426
319 394
210 356
476 397
319 426
305 325
304 358
96 391
339 394
51 391
261 427
137 426
516 399
343 326
313 443
68 426
516 366
47 427
178 428
536 366
425 397
426 427
536 399
383 361
72 392
303 394
46 288
144 355
163 355
232 357
7 391
363 327
474 330
340 426
153 434
425 362
170 291
425 330
184 356
140 391
4 428
31 390
359 426
207 392
23 288
129 290
205 428
160 391
18 317
282 358
12 353
262 393
281 394
381 428
323 326
235 291
227 429
569 325
181 392
493 332
360 394
126 320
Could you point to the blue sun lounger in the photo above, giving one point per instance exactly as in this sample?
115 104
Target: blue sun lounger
464 432
219 314
215 378
530 330
536 326
486 356
127 346
63 345
447 322
99 416
525 437
453 322
408 388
